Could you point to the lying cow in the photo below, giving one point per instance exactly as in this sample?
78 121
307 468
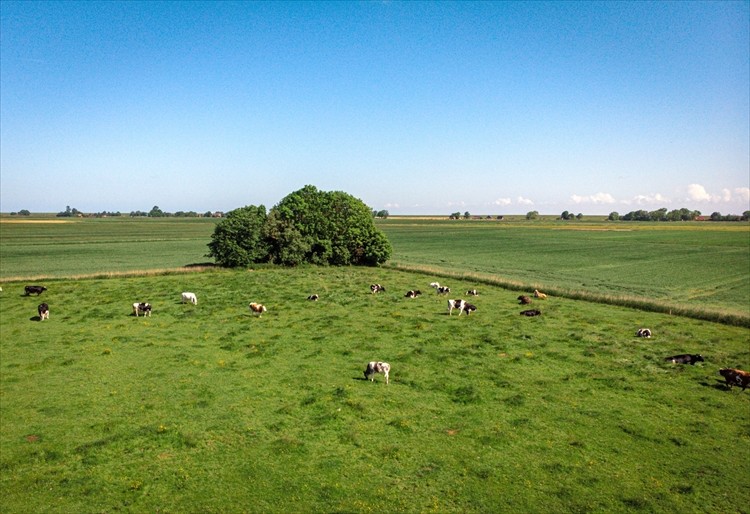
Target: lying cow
37 290
523 300
313 297
735 377
43 310
443 290
376 288
374 367
531 312
462 307
413 294
189 297
257 308
472 292
685 358
142 308
539 295
643 332
435 284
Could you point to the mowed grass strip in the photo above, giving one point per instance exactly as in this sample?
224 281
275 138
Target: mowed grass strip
208 408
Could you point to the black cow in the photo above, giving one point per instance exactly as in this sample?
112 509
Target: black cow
531 312
37 290
685 358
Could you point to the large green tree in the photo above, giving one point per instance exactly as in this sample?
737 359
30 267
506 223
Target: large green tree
323 227
238 239
306 226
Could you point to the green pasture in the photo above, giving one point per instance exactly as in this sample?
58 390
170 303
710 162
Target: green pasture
209 409
55 247
701 265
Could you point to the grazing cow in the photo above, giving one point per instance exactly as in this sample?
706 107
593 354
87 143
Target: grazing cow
374 367
313 297
523 300
258 308
685 358
643 332
189 297
376 288
539 295
413 294
43 310
142 307
472 292
462 307
531 312
443 290
37 290
735 377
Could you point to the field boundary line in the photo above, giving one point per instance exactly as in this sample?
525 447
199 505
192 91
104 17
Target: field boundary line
633 302
116 274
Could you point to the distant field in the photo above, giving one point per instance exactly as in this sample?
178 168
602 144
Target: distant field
53 247
698 264
208 409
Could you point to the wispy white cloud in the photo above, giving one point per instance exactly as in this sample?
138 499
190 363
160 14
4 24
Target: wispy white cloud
524 201
652 199
743 193
502 201
598 198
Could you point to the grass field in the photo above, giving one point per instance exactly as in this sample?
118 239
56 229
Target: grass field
208 409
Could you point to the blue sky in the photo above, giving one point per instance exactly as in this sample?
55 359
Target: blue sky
414 107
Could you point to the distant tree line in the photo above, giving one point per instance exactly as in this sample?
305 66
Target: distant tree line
674 215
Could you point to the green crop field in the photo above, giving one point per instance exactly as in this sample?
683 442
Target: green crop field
207 408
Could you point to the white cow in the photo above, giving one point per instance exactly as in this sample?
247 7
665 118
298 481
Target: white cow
189 297
374 367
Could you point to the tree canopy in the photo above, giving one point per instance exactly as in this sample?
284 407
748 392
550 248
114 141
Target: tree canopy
306 226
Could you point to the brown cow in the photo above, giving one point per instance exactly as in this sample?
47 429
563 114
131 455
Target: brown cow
524 300
735 377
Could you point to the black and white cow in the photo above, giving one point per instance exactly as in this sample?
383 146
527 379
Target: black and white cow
443 290
413 294
142 307
643 332
462 307
472 292
313 297
376 288
37 290
43 311
374 367
685 358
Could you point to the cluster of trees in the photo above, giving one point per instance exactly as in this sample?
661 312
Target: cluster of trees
156 212
69 213
306 226
570 216
674 215
380 214
458 215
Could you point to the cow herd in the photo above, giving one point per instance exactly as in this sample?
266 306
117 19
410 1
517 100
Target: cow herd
732 376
